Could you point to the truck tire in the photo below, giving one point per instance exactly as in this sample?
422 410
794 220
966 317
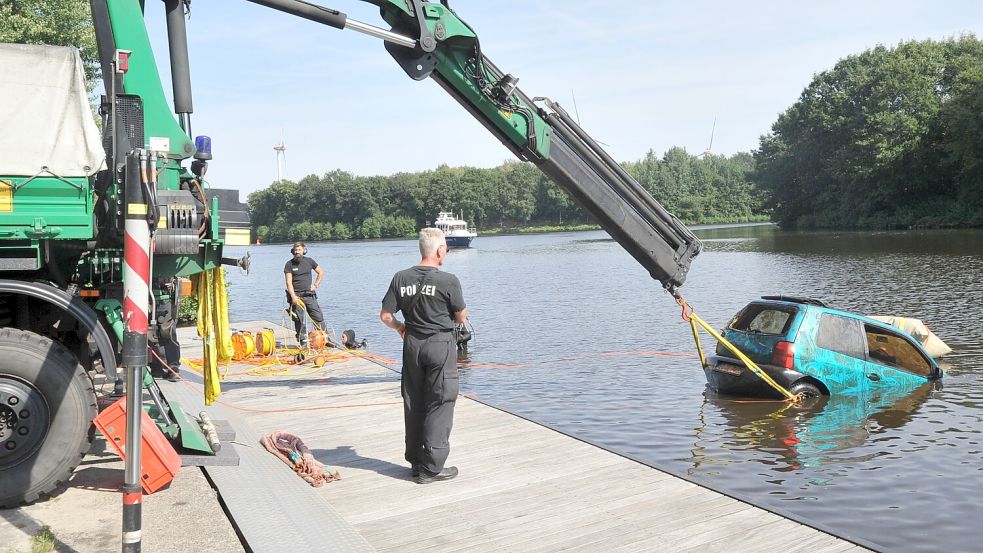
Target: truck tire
47 404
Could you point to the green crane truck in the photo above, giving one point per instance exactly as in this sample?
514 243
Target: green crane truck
60 226
62 232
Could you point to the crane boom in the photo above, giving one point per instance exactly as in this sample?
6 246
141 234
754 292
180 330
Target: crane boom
428 39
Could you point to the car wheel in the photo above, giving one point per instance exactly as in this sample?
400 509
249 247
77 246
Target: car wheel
809 394
47 405
806 389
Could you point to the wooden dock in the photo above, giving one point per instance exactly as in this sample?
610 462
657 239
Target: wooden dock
522 487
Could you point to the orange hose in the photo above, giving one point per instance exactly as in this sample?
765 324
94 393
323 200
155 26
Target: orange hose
243 345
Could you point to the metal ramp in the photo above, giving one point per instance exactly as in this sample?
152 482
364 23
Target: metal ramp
272 508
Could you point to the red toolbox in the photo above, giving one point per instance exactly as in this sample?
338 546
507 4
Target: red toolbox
159 462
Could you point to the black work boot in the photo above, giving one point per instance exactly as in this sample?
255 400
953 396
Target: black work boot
174 374
427 477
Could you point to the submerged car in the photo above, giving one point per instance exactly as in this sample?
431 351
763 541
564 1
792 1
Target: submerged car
814 350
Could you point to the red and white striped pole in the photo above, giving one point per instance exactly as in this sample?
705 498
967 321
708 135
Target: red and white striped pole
136 304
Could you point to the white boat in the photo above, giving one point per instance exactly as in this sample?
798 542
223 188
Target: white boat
457 231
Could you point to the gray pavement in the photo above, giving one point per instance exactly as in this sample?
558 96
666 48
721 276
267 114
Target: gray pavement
185 516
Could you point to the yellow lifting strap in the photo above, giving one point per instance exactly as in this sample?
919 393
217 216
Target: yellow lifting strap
213 327
690 315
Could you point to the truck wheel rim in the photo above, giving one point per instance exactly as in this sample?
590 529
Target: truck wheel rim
24 420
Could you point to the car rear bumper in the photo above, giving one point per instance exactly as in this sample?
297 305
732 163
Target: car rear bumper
731 377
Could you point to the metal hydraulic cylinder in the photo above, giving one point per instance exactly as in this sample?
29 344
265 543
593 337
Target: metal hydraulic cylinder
136 305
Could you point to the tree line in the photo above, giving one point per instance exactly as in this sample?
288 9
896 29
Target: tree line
339 205
889 138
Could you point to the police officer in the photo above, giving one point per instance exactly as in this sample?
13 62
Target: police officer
302 290
432 304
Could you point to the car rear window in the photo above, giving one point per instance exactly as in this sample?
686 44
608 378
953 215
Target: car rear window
764 319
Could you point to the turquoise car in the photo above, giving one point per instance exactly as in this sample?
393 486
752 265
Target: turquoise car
814 350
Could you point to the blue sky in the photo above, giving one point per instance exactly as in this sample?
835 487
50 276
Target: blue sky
645 75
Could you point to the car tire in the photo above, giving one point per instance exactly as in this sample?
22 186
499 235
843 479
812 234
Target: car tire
809 393
47 405
806 389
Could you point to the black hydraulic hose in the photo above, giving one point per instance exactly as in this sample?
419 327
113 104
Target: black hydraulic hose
54 269
313 12
177 40
635 199
153 216
644 198
629 188
105 42
620 181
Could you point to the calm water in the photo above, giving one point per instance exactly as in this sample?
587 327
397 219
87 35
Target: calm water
572 333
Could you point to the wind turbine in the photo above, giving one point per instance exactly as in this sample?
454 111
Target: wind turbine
708 151
281 158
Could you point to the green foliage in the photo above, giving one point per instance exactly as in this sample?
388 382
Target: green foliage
187 311
511 197
55 22
341 231
43 541
888 138
387 226
701 189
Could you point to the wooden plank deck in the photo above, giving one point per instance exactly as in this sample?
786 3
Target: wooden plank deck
522 487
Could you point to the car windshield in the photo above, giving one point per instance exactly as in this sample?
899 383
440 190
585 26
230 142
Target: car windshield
763 319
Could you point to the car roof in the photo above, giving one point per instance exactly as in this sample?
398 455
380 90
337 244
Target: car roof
809 304
795 299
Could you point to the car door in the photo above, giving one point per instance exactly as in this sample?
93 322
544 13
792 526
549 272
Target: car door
893 359
839 356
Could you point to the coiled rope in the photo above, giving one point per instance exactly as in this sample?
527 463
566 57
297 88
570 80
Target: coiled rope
291 450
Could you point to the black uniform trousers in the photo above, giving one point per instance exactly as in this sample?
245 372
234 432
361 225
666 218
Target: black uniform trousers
164 340
430 383
311 309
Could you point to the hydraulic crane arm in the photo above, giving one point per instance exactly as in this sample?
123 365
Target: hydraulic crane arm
428 39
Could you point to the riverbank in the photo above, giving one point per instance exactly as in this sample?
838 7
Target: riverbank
545 229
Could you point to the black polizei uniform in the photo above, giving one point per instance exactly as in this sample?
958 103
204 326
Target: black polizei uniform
302 276
428 299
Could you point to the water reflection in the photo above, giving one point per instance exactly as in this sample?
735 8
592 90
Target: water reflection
792 438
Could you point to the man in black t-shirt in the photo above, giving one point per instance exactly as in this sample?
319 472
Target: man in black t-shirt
433 305
302 292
